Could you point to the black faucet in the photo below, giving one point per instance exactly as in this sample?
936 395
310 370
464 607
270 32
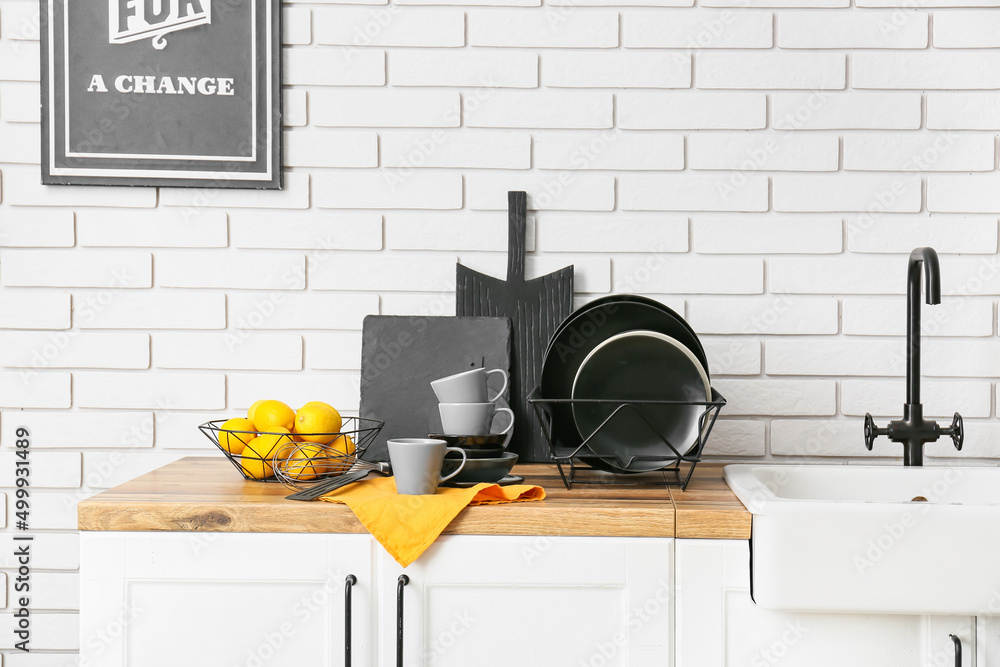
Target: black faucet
913 431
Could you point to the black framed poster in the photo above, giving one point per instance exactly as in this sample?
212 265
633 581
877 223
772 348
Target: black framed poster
161 92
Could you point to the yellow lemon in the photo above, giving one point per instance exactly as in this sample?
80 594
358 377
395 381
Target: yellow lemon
256 457
235 442
342 445
317 418
253 408
270 416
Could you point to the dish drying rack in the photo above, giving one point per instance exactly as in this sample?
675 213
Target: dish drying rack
572 461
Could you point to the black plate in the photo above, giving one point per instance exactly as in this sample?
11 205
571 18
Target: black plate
640 365
587 328
691 341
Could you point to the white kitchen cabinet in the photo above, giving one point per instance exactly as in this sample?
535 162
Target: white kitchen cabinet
277 600
988 635
223 599
719 626
554 601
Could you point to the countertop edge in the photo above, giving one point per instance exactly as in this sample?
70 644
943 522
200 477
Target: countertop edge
158 502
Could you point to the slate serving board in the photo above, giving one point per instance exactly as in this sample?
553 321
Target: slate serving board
535 307
400 355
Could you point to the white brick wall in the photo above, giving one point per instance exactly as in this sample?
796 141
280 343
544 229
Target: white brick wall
530 28
691 111
688 29
763 166
852 30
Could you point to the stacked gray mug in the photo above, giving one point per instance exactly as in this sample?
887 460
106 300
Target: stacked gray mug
464 403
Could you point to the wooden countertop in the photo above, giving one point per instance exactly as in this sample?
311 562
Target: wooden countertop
207 494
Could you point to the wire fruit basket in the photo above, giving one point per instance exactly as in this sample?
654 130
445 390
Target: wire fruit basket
292 461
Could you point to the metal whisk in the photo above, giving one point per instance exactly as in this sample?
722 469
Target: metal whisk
316 469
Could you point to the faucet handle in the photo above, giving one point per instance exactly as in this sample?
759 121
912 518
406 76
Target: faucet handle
872 431
956 431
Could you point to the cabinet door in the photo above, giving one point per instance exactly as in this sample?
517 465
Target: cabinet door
222 599
988 635
502 601
718 624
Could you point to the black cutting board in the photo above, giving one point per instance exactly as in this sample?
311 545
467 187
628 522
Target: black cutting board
400 355
535 307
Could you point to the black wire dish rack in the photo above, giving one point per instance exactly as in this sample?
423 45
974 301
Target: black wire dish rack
579 464
296 463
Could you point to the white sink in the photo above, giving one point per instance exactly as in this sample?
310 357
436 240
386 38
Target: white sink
860 539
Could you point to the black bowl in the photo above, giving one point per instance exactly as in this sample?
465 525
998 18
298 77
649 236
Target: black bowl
491 442
480 470
494 453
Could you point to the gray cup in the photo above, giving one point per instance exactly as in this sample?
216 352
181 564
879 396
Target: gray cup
416 464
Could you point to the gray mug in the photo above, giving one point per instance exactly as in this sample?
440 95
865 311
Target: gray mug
471 418
416 464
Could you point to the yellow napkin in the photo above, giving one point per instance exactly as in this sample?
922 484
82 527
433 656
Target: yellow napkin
407 525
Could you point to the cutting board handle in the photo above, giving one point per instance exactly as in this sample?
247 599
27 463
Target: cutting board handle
517 223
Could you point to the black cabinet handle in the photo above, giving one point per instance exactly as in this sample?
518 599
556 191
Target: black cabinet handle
958 650
400 583
348 585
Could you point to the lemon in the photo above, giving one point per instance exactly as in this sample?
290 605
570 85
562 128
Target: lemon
235 442
315 418
256 457
253 408
270 416
342 445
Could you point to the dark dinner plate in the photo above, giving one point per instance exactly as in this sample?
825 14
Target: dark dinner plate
639 366
604 303
587 328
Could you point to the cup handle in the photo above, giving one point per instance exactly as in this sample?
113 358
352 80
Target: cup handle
506 381
459 469
511 424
